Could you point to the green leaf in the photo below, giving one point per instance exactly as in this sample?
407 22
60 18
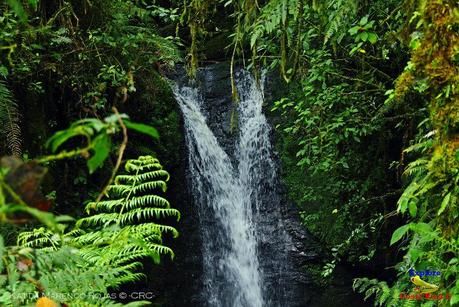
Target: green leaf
415 254
142 128
363 21
403 204
427 234
64 218
2 251
253 38
33 4
45 218
114 118
444 203
454 299
412 208
18 9
372 38
399 233
101 146
354 30
3 71
363 36
95 123
61 137
421 228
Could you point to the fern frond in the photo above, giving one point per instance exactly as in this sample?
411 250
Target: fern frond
124 189
10 120
140 214
143 177
128 278
383 294
149 186
136 215
142 201
120 232
153 227
341 14
38 238
106 205
97 238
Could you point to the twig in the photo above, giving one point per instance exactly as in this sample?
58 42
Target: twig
376 198
120 155
65 155
12 193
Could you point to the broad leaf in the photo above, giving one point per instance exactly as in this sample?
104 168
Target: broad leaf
45 218
421 228
363 21
142 128
372 38
454 299
354 30
444 203
101 147
61 137
399 233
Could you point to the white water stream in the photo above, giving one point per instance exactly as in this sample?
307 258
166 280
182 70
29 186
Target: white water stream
228 197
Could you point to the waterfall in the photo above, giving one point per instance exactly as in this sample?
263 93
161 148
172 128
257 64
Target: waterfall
229 193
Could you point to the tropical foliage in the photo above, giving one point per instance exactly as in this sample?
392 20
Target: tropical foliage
347 124
366 123
79 265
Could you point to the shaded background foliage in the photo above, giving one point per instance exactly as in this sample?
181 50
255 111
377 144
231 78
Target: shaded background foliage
356 112
76 59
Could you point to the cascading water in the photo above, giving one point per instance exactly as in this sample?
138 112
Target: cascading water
240 269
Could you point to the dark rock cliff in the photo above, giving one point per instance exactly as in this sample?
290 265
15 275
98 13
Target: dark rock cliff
182 276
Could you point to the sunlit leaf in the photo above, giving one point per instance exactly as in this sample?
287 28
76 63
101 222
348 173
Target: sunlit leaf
444 203
61 137
142 128
399 233
372 38
101 147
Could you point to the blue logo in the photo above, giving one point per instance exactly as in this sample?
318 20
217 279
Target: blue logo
423 273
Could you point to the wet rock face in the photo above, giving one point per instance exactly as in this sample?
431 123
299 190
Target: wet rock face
291 251
215 85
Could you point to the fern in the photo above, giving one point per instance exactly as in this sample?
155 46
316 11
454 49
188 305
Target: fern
10 120
122 230
341 12
384 295
104 250
61 274
38 238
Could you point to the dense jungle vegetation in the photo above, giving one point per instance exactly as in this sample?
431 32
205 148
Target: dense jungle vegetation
366 124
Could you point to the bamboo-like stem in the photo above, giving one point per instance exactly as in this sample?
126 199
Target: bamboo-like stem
66 154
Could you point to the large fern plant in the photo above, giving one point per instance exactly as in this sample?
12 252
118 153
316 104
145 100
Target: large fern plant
103 251
123 229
